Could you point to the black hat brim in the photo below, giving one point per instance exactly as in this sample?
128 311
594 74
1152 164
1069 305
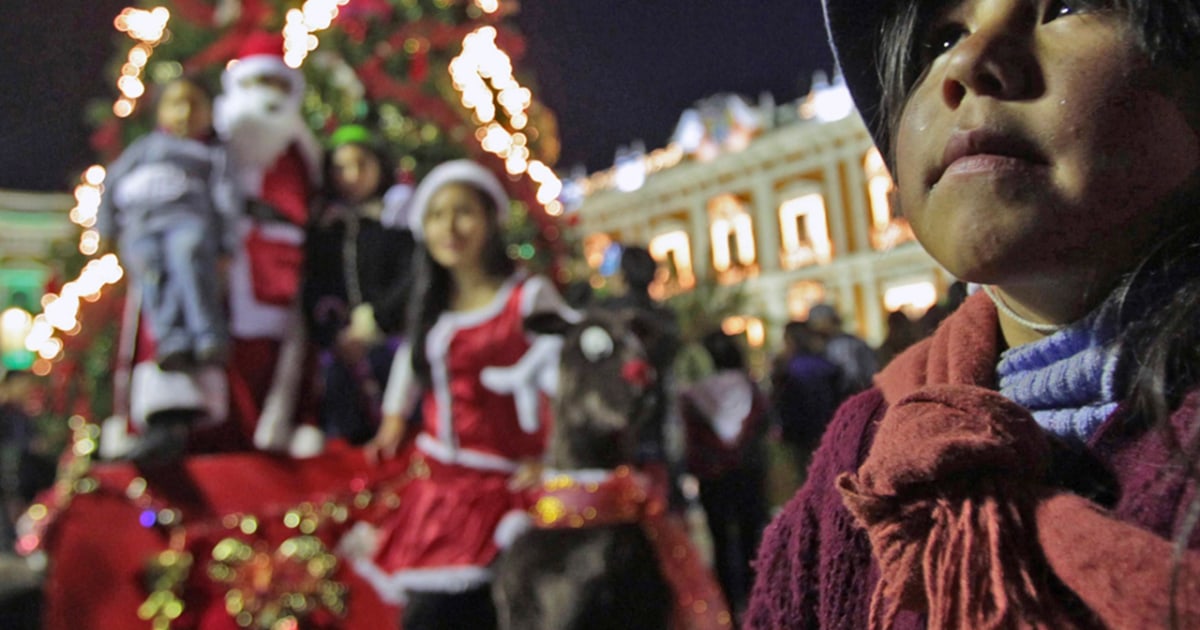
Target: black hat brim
855 29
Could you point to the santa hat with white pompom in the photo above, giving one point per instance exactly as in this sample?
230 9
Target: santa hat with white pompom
261 55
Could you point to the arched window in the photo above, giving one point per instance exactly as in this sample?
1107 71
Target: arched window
731 229
804 231
887 229
673 250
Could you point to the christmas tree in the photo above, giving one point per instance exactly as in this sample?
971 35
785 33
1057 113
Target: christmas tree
435 79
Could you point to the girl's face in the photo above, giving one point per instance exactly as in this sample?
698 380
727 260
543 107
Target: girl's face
1039 144
457 227
356 172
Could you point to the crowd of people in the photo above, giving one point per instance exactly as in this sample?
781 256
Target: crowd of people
1022 457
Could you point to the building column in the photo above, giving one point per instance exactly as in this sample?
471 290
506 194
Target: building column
699 237
766 224
856 201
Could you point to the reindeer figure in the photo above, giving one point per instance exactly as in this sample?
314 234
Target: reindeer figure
587 563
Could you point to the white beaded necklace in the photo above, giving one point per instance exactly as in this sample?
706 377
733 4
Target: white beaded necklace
1003 307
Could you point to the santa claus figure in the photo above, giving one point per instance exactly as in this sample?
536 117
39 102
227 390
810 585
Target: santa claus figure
277 160
255 402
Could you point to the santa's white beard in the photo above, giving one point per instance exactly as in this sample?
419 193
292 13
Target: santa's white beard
257 124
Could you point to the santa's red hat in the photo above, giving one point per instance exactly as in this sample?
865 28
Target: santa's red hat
261 54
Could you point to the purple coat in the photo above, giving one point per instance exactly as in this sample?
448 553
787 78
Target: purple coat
815 568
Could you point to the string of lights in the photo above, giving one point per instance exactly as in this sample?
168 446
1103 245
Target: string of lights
482 73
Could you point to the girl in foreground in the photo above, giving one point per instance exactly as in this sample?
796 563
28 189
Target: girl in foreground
463 365
1034 464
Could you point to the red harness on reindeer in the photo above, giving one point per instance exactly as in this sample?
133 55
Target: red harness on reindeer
624 495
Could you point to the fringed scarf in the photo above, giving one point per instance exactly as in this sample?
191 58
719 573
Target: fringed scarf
946 496
948 490
965 525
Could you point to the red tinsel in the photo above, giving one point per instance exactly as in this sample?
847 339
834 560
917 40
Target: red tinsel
195 11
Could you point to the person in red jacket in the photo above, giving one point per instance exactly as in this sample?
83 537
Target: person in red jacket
1034 464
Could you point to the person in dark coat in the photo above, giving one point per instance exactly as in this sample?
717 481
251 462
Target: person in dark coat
355 283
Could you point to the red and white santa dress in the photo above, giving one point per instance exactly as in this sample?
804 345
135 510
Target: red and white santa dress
484 414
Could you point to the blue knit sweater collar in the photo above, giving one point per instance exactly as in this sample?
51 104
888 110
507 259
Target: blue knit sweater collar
1069 381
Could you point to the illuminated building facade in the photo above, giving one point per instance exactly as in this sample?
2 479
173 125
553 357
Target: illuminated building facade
802 213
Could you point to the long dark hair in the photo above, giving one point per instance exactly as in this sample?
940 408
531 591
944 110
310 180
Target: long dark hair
386 171
432 284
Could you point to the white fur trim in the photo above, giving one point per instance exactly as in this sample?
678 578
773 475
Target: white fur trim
115 438
402 392
465 457
539 296
455 171
396 203
535 372
276 422
153 389
511 525
359 543
307 441
263 65
392 587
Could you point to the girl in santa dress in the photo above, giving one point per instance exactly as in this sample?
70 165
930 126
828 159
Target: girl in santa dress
475 374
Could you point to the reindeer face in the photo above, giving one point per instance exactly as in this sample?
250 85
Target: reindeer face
604 373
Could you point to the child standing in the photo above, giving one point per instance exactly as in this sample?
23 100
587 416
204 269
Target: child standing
1034 463
356 268
469 364
168 203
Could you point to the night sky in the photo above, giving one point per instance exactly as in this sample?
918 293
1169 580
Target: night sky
612 70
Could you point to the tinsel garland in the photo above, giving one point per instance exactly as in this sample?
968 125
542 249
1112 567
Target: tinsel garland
265 586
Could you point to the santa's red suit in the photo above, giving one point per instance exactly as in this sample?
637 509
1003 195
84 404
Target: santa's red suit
278 161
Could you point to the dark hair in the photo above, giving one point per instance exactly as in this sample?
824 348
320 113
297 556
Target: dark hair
1168 31
802 338
329 188
724 349
431 288
638 267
